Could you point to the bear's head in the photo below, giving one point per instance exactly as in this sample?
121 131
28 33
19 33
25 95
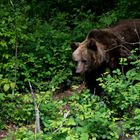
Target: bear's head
91 53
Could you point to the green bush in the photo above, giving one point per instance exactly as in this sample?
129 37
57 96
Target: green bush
87 117
34 51
123 95
16 109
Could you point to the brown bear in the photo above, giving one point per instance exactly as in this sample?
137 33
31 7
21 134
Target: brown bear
102 49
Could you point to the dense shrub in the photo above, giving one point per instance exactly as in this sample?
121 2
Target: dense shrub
16 110
34 51
123 95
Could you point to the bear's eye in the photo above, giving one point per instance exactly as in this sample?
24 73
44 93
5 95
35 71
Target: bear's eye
84 61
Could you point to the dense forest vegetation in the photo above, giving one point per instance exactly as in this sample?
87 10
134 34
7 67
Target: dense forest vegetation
41 97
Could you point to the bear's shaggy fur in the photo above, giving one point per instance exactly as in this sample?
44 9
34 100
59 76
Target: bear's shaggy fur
102 49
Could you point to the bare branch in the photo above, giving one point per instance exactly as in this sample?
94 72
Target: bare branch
136 31
119 46
37 115
135 43
65 116
11 3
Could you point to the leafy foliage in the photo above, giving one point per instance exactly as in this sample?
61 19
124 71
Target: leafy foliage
35 52
34 47
87 118
123 95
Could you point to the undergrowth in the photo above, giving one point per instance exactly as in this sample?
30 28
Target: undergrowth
34 48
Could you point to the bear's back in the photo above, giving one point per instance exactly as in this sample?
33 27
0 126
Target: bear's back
127 30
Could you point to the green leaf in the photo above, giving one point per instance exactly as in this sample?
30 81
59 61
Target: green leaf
6 87
68 138
12 85
84 136
71 121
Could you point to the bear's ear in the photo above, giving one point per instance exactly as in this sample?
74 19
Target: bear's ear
92 45
95 34
74 45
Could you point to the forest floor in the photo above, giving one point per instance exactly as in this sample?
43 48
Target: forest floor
5 132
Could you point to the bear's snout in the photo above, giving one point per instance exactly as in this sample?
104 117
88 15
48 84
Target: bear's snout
80 68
